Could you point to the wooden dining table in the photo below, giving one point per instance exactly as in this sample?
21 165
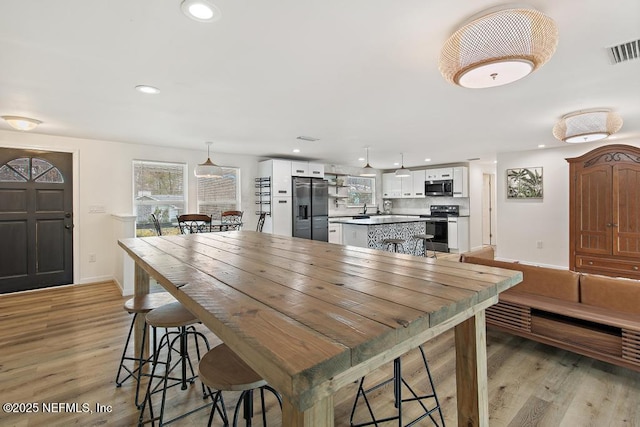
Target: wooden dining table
312 317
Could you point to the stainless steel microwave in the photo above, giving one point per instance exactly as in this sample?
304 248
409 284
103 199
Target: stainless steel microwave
443 187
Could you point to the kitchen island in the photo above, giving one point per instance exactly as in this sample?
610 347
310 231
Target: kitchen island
370 232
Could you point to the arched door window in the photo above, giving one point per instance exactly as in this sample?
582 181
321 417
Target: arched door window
27 169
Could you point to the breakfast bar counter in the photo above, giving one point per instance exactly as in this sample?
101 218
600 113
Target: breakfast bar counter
311 317
370 232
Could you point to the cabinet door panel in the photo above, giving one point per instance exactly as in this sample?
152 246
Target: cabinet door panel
626 212
593 201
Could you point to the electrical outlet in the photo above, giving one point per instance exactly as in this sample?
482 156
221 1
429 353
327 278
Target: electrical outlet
92 257
539 244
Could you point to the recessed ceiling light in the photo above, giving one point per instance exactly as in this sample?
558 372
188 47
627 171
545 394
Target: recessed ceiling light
148 89
361 159
396 164
200 10
296 150
541 146
427 160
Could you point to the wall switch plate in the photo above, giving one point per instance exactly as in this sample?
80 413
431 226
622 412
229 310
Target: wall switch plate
92 257
539 244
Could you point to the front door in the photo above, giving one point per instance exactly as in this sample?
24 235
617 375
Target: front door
36 221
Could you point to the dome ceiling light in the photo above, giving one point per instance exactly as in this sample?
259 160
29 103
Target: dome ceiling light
21 123
498 48
587 126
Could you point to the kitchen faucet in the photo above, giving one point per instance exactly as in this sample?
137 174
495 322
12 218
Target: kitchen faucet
364 209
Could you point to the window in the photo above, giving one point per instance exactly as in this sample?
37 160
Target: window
361 190
216 195
160 189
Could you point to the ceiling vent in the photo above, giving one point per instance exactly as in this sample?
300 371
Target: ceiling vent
624 52
308 138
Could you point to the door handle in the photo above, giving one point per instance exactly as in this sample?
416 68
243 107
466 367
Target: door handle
68 226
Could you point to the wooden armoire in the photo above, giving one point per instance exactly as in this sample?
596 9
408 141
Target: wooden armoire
604 211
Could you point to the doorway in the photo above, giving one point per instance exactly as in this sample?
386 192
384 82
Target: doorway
488 210
36 219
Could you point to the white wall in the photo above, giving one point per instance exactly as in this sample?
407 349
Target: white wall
103 177
522 223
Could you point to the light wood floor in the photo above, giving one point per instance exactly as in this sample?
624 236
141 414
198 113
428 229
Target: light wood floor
62 345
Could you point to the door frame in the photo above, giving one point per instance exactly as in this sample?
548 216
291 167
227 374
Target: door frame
75 164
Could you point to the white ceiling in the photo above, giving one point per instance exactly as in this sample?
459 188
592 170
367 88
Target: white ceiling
352 73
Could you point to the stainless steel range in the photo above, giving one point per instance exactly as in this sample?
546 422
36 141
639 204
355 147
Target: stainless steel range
438 224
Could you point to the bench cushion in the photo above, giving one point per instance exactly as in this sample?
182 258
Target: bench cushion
615 293
544 281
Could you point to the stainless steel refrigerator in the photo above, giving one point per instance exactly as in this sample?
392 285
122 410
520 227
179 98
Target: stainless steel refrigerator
310 208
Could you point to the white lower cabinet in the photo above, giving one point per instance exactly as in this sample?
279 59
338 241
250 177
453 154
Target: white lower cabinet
458 229
335 233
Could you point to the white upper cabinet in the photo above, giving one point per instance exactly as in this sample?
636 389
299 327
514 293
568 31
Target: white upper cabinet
438 174
461 181
314 170
280 173
391 186
418 178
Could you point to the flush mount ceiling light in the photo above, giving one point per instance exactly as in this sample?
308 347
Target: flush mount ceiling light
21 123
402 172
499 47
200 10
587 126
367 170
208 169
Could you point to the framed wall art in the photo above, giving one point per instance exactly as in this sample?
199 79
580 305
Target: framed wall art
524 183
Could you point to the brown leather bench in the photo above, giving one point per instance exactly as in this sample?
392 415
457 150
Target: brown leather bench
597 316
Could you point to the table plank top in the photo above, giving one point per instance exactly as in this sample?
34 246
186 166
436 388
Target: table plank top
301 312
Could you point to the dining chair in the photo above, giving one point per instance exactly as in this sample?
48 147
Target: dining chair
261 219
156 225
194 223
231 220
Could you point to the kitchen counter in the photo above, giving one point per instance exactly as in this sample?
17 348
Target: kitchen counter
380 220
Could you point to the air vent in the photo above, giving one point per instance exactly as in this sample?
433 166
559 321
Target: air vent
624 52
308 138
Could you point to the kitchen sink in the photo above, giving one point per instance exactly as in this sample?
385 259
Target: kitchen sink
361 217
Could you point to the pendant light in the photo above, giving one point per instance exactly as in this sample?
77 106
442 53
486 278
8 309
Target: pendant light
368 170
402 172
208 169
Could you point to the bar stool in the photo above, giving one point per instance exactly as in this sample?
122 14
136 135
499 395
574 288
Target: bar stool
223 370
172 316
398 382
425 238
141 304
394 243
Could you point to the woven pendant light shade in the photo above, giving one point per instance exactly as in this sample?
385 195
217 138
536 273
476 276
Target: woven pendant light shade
498 48
587 126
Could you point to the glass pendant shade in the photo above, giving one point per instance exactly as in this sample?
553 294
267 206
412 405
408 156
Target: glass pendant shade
208 169
402 172
367 170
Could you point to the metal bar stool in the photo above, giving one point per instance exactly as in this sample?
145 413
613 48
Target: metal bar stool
394 243
176 316
425 238
223 370
398 382
142 304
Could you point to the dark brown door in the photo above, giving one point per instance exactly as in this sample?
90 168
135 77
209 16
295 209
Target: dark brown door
593 201
36 221
625 225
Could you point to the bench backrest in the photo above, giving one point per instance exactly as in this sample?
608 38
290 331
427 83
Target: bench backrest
614 293
548 282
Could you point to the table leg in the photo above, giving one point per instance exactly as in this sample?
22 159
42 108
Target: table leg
471 372
140 287
319 415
